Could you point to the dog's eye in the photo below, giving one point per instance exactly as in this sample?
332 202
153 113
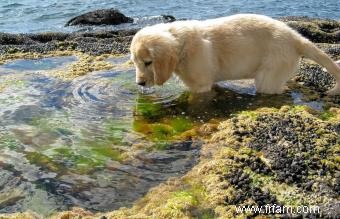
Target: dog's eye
147 63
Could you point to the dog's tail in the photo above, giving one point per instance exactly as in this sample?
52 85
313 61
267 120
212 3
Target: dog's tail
309 50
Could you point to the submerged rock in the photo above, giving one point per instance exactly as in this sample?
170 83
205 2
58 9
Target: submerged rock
100 17
168 18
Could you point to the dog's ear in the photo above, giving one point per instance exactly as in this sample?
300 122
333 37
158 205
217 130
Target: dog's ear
164 60
163 68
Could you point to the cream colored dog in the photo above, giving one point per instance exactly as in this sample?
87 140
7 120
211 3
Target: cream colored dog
243 46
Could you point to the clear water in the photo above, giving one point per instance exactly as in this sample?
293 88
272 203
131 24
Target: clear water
37 16
64 140
97 141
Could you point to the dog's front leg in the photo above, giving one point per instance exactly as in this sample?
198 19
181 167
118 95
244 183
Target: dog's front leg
200 84
199 100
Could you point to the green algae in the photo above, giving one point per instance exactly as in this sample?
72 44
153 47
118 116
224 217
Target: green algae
52 123
106 152
79 159
298 108
102 149
86 153
327 115
161 132
164 131
115 131
83 160
148 109
161 145
178 202
95 153
158 124
183 196
181 124
8 141
250 114
43 161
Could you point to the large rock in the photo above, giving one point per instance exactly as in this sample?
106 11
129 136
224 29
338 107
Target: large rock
100 17
168 18
315 29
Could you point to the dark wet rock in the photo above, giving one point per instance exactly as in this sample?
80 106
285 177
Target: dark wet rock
168 18
47 37
14 39
291 143
333 50
293 149
242 182
313 76
317 30
257 165
184 146
94 43
100 17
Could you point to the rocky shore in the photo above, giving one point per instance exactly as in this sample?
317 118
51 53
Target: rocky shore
287 155
102 42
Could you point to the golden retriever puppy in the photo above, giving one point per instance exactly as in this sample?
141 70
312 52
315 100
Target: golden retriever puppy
244 46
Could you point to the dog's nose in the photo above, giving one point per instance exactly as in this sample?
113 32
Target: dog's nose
141 83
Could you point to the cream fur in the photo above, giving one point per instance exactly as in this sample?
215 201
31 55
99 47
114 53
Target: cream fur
243 46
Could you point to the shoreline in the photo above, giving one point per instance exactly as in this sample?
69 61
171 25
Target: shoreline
117 41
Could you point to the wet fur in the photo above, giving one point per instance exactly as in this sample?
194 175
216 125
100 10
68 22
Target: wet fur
243 46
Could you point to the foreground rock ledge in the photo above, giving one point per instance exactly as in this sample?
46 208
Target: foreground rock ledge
287 157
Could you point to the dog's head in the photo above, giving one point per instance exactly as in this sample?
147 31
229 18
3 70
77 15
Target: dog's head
154 55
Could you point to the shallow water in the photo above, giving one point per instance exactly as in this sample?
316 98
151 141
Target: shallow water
40 16
97 141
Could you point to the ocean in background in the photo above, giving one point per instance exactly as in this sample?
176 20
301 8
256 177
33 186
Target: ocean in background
28 16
